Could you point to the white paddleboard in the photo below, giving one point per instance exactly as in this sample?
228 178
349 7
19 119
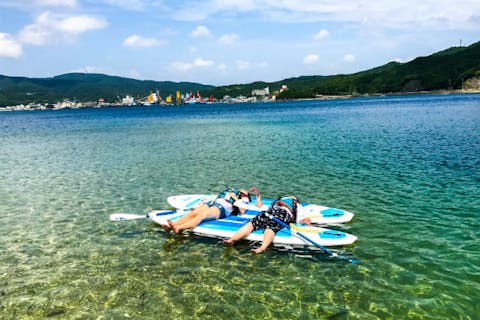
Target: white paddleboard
225 228
189 201
317 214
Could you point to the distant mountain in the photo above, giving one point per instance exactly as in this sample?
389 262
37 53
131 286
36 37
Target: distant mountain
443 70
84 87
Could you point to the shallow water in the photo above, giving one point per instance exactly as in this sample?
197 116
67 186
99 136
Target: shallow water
408 167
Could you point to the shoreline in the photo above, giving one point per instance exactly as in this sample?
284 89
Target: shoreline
33 107
390 94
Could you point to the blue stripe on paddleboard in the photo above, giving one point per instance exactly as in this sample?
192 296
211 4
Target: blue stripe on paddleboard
157 214
332 212
236 218
331 234
220 224
282 233
193 202
178 217
233 223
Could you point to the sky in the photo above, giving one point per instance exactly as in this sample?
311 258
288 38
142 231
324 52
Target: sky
222 42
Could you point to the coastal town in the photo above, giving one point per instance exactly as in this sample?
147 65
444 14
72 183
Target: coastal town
153 98
183 99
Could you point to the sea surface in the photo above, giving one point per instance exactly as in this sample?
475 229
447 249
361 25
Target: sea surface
408 167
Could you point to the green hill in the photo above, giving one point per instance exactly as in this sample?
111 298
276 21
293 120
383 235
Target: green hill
83 87
443 70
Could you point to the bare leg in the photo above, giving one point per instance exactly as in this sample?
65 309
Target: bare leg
243 232
211 212
202 208
268 236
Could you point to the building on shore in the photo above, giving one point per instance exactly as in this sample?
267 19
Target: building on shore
128 101
261 92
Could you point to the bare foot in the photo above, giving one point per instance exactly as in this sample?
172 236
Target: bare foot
166 227
228 242
173 226
258 250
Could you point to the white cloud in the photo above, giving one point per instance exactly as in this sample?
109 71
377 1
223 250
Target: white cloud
49 27
180 66
228 39
400 60
321 34
134 74
138 41
199 62
186 66
440 14
34 34
9 47
133 5
90 69
243 65
349 57
28 4
311 59
201 32
222 67
56 3
80 24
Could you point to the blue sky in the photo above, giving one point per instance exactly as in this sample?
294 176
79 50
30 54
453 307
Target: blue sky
224 41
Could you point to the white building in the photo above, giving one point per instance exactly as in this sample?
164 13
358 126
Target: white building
128 101
261 92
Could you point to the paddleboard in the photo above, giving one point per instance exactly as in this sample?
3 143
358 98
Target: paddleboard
189 201
317 214
225 228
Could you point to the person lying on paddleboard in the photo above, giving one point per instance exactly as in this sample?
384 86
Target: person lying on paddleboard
287 209
219 208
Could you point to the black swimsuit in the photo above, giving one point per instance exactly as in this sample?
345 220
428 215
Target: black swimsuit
263 222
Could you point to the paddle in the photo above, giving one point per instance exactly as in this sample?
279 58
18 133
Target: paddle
301 235
126 216
129 216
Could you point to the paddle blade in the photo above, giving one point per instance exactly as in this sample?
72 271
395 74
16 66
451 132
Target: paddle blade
126 216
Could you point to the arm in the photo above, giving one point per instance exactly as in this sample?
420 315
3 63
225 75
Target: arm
301 216
305 221
255 191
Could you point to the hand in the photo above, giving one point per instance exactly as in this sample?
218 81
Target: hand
255 191
307 221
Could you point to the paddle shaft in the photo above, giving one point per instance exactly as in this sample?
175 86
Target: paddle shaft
333 254
301 235
128 216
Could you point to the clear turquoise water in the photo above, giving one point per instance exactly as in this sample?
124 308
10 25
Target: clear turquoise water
407 166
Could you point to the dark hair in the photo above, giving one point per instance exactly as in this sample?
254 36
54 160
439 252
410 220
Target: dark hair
240 194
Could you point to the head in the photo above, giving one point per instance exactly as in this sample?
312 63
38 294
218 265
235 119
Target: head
290 202
242 193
